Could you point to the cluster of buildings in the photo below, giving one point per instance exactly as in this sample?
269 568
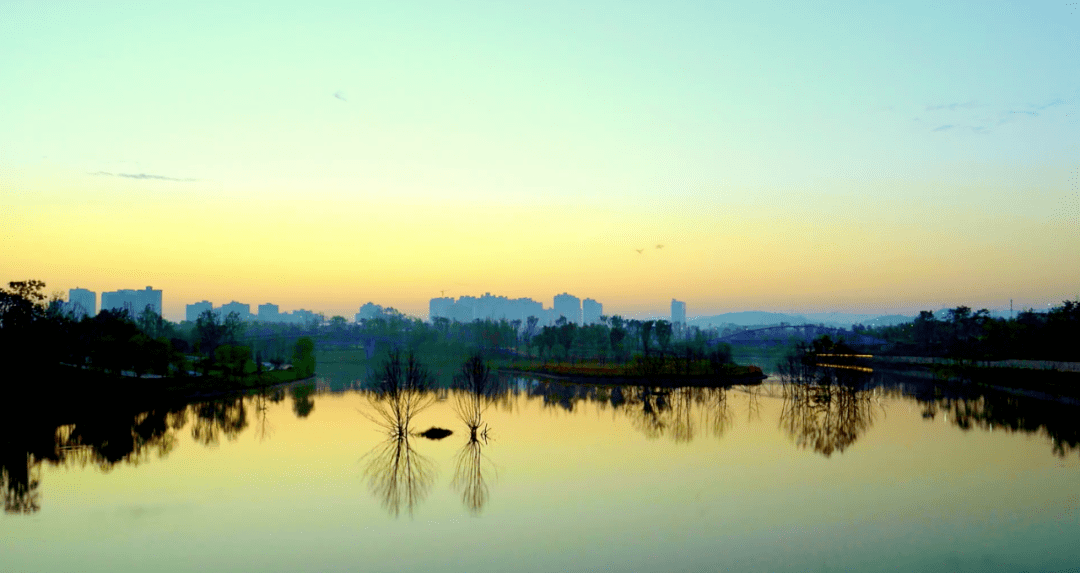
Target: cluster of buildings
470 308
266 313
82 302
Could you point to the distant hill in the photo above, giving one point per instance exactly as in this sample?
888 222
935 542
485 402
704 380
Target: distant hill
760 318
888 320
746 318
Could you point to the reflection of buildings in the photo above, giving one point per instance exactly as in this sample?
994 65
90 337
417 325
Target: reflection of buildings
591 311
133 301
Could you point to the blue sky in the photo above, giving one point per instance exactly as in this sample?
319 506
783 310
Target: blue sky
818 156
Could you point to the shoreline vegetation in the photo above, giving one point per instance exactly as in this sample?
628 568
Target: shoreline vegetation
825 359
113 352
653 372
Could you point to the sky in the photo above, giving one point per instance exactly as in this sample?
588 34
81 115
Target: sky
811 156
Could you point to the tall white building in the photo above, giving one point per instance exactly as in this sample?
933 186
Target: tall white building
678 312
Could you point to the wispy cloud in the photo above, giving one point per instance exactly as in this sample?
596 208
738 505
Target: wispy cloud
952 106
340 96
146 176
985 120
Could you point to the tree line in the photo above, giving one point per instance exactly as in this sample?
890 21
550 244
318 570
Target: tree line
37 332
976 335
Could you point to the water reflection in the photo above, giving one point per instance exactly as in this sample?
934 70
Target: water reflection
397 474
472 399
995 410
826 408
19 480
223 417
826 418
101 439
302 402
262 400
823 411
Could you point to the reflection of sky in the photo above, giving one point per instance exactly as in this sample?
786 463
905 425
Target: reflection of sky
573 491
855 154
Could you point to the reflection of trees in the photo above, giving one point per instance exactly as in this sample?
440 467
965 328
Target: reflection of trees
470 401
399 476
263 428
401 391
226 416
714 402
825 417
97 439
469 478
753 408
648 410
999 411
302 402
658 412
19 481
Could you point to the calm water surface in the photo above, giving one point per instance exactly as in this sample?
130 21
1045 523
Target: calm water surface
555 478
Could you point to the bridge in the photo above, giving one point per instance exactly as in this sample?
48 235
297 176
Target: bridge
788 333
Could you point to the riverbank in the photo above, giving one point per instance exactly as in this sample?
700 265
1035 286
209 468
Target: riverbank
636 375
62 392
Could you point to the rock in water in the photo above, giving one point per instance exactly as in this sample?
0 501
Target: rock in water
434 433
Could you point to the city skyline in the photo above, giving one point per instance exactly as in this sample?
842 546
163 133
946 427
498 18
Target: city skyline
834 156
178 311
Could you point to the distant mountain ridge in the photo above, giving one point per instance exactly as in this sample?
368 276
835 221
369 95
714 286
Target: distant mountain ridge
761 318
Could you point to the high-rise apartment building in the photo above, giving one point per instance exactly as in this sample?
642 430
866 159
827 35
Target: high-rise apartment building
269 313
488 307
569 306
148 297
119 300
194 310
440 307
591 311
132 301
242 309
81 303
678 312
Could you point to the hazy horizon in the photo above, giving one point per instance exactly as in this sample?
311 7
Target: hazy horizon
762 156
175 311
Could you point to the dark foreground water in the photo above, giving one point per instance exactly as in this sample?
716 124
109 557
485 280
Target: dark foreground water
555 478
